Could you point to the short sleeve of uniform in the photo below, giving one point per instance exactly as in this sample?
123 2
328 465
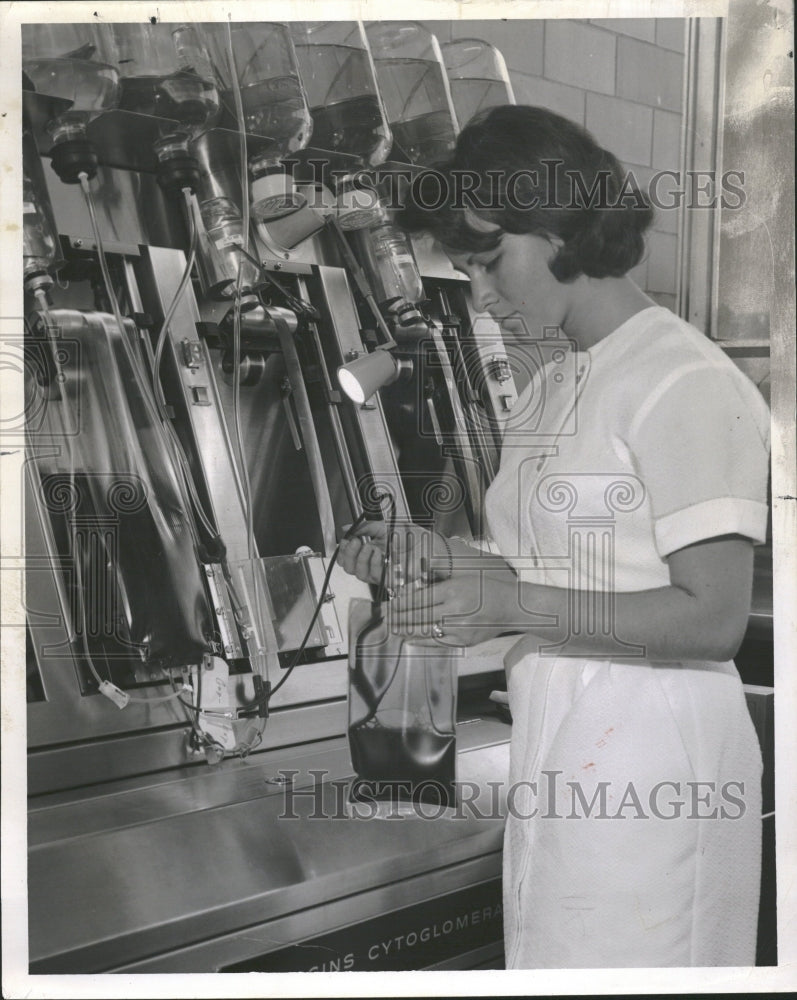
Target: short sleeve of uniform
701 444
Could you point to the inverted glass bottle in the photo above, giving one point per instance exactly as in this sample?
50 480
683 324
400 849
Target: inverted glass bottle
338 76
40 247
385 253
75 62
477 76
222 266
265 73
166 73
414 87
256 63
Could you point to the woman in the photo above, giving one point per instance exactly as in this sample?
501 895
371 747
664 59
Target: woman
631 490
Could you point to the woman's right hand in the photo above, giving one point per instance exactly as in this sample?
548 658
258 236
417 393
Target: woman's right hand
411 548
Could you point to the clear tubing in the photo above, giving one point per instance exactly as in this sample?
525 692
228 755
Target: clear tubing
239 113
84 183
236 385
178 294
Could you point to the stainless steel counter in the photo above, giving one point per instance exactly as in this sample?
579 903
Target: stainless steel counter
195 871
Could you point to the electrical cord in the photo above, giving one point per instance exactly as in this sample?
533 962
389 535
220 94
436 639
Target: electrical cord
298 305
265 699
376 618
379 597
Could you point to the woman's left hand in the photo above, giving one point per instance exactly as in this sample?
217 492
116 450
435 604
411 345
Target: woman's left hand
473 605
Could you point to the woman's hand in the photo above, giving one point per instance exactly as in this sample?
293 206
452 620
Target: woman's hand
414 553
473 605
447 593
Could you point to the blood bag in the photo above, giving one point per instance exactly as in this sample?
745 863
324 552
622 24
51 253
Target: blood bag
402 708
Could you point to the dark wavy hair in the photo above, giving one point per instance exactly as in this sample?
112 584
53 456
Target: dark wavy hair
529 170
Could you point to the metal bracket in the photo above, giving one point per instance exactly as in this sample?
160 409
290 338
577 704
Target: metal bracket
193 357
225 616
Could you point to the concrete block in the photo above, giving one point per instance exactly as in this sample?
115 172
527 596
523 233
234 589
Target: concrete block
519 40
671 33
580 55
636 27
624 128
649 75
567 101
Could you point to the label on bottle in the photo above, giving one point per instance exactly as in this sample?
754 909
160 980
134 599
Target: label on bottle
28 208
229 240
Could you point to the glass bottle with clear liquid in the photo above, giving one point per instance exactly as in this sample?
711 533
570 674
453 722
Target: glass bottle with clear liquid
219 256
166 73
75 62
40 247
257 63
338 76
386 255
414 86
477 76
273 99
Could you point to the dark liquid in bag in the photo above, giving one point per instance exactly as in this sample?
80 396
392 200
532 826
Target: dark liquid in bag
401 716
417 765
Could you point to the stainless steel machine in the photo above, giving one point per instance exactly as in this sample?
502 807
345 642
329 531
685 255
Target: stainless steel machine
197 270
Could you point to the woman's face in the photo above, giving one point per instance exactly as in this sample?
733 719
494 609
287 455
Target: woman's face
514 284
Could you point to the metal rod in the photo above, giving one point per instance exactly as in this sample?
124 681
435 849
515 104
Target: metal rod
475 425
362 283
464 447
310 438
341 447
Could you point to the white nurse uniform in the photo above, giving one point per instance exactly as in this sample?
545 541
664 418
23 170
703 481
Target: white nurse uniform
634 830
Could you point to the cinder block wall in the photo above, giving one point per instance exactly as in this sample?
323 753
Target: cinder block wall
622 79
